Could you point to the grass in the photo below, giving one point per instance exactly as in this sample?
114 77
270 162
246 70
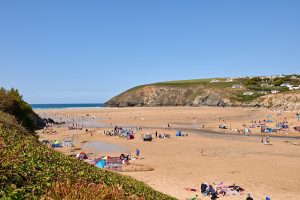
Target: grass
245 98
30 170
183 82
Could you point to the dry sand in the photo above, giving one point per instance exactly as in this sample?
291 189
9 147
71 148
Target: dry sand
181 162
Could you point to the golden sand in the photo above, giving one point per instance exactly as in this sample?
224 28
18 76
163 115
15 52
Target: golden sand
186 162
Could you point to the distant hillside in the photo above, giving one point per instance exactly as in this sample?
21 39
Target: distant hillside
31 170
244 91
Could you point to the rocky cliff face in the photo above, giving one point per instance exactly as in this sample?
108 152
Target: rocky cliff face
290 101
168 96
152 95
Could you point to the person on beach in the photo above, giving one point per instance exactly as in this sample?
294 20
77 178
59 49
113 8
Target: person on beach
194 198
214 196
137 153
249 197
156 134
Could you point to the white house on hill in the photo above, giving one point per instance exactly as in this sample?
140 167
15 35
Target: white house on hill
248 93
274 91
215 81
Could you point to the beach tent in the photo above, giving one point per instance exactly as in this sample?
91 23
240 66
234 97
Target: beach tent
222 126
178 133
56 144
269 130
147 137
101 164
81 156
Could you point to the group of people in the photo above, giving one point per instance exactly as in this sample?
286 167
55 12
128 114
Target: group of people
220 190
159 135
49 127
75 126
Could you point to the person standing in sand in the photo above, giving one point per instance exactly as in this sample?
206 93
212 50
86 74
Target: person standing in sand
137 153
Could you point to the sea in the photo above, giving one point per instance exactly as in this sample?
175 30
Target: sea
67 105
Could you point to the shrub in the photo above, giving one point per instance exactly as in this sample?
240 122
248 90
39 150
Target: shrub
11 102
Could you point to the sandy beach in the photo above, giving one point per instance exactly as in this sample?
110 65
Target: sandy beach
204 155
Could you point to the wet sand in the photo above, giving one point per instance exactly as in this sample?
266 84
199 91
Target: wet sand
203 156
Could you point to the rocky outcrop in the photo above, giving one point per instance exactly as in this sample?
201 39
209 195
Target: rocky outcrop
210 99
285 101
168 96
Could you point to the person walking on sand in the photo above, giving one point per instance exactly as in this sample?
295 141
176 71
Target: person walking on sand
137 153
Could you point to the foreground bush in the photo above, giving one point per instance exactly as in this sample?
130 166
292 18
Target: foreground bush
11 102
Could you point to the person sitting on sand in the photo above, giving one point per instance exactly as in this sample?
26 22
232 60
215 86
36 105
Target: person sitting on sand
249 197
214 196
203 188
194 198
211 189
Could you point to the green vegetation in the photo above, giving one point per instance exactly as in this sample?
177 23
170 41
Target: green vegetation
30 170
11 102
245 98
183 82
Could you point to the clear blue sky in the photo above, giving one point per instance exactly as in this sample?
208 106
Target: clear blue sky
88 51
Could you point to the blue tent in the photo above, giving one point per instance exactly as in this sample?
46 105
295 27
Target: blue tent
178 133
101 164
56 144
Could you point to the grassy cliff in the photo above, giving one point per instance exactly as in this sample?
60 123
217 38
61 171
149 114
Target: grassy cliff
204 92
